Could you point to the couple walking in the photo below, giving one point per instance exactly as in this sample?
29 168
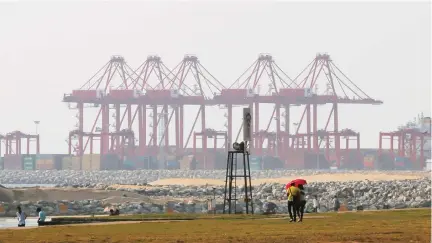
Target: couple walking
296 202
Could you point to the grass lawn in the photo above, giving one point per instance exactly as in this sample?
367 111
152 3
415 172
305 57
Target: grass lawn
384 226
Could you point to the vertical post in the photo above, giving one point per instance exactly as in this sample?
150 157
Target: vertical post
230 141
315 127
308 127
142 126
245 182
402 142
38 144
414 148
278 130
28 145
91 143
118 123
380 143
166 128
255 143
155 121
177 132
391 144
204 135
422 158
215 142
194 143
105 130
17 144
336 132
129 108
328 147
80 129
181 127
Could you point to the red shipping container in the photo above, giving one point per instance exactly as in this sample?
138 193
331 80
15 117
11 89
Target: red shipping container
85 94
13 162
158 94
234 93
122 94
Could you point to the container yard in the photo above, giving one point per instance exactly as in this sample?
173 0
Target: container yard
139 110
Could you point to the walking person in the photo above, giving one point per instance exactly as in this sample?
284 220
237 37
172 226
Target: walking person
292 193
301 203
42 216
336 204
315 204
21 216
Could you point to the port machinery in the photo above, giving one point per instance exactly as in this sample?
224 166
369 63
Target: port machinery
285 92
15 138
131 92
411 141
138 90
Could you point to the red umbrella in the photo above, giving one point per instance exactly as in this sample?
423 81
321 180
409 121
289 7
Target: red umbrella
297 182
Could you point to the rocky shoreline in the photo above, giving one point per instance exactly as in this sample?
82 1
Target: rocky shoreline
371 195
90 179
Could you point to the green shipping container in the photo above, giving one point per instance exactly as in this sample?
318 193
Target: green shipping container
1 163
29 162
255 163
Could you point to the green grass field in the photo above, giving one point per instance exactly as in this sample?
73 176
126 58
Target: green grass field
384 226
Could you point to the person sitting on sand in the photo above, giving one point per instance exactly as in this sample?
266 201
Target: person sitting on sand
42 216
21 216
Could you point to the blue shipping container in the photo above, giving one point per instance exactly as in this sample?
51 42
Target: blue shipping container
173 164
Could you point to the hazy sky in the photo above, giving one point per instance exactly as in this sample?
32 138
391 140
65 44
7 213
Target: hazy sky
48 49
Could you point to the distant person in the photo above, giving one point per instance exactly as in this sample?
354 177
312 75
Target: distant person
21 216
301 203
315 204
336 204
42 216
293 200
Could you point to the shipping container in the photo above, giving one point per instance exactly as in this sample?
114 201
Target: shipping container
186 162
295 159
385 161
44 156
110 162
29 162
139 163
313 160
402 163
255 162
173 165
369 161
12 162
351 159
123 94
58 158
91 162
270 163
47 164
158 94
71 163
128 165
88 94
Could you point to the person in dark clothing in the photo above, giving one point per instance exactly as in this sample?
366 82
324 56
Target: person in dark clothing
42 216
301 203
